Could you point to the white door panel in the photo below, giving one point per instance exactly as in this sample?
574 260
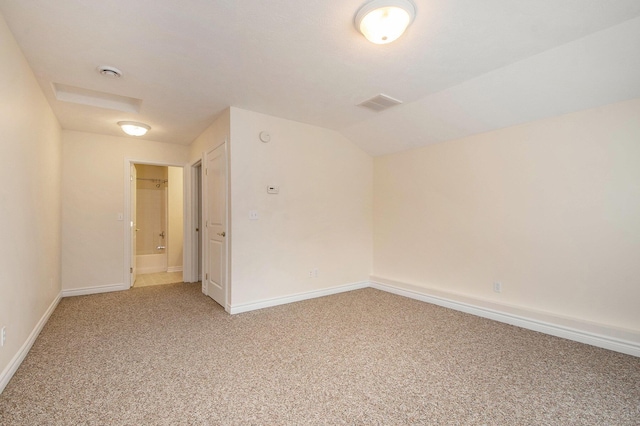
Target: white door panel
215 272
215 223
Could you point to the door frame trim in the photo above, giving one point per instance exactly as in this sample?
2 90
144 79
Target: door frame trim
126 226
190 270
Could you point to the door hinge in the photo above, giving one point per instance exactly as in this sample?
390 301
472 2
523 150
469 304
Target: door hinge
131 270
206 276
206 171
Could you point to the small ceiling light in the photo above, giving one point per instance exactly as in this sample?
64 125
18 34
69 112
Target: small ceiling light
383 21
110 72
133 128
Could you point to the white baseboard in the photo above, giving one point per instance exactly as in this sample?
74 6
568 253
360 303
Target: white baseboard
605 337
94 290
10 370
267 303
174 269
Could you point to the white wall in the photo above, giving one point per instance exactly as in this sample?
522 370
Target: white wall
93 195
30 162
322 217
551 209
176 219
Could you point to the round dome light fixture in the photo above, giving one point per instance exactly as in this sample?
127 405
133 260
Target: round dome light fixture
383 21
133 128
110 72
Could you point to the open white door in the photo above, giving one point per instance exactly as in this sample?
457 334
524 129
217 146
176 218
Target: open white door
215 217
134 228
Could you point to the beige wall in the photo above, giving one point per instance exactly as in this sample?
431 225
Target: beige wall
93 195
551 209
30 162
176 219
211 137
322 217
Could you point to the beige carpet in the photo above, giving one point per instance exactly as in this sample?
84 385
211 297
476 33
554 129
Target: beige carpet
168 355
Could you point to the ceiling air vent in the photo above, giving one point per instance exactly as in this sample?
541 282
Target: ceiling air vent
110 72
379 103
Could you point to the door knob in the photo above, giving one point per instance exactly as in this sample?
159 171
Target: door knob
222 234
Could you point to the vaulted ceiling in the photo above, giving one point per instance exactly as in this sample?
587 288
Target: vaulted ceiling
463 67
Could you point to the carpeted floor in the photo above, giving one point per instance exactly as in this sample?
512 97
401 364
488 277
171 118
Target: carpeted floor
168 355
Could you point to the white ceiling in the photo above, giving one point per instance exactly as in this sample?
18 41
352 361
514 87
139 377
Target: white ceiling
463 67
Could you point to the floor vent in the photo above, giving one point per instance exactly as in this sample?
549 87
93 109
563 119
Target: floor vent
379 103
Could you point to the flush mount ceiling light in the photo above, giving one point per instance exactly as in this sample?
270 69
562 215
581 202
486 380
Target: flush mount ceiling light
383 21
133 128
110 72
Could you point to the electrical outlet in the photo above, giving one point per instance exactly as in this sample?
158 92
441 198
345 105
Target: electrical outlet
311 273
3 335
497 287
315 273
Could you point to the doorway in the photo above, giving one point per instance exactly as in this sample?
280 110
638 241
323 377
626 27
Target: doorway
196 197
157 224
205 210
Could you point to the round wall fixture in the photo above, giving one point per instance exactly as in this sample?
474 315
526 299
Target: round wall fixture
110 72
265 137
383 21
